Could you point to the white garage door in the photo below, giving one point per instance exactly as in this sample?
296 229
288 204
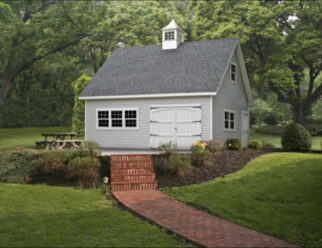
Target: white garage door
180 125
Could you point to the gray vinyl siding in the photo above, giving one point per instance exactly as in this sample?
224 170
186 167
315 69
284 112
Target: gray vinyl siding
231 96
138 138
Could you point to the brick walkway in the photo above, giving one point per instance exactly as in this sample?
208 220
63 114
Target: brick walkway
194 225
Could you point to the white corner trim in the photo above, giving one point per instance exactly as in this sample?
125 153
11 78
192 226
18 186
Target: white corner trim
211 118
85 120
147 96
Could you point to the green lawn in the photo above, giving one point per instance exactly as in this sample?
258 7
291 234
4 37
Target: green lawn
44 216
25 137
276 140
279 194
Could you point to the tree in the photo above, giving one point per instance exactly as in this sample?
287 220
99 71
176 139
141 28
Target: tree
280 40
79 105
33 30
130 23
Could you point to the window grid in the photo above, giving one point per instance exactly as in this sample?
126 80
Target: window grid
103 118
169 35
229 120
117 118
233 72
130 118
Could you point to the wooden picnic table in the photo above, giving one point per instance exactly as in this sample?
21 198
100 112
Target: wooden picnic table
59 141
58 136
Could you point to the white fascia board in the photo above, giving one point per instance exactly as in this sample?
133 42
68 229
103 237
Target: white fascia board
244 75
147 96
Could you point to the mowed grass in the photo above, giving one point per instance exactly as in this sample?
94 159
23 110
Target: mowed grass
44 216
279 194
276 140
25 137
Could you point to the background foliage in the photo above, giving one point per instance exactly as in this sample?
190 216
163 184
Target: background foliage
47 45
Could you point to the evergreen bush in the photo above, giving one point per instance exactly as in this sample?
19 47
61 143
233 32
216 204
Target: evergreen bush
296 138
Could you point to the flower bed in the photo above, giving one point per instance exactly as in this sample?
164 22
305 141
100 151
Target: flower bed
225 162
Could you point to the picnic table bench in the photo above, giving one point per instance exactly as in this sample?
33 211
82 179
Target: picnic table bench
59 141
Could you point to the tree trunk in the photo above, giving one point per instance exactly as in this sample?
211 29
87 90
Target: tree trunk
301 111
6 83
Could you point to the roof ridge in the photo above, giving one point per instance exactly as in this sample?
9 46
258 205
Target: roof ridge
186 42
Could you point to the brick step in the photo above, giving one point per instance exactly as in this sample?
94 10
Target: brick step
136 157
131 171
142 185
131 164
132 178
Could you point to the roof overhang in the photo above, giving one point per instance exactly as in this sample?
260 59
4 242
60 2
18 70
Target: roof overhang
147 96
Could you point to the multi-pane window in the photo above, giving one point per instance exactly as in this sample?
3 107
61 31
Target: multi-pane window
169 35
130 118
233 72
118 118
103 120
229 120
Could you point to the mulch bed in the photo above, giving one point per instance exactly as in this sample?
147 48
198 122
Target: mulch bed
225 163
54 179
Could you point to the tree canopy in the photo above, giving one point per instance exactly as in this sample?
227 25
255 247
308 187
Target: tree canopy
46 45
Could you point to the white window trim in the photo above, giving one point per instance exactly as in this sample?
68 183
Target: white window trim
123 119
233 81
229 129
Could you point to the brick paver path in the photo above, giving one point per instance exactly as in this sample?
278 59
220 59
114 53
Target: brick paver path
194 225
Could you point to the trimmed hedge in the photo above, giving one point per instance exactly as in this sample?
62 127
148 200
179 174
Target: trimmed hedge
296 138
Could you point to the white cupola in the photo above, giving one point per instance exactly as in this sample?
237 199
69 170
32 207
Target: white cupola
172 36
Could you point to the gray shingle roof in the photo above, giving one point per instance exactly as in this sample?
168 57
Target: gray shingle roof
196 66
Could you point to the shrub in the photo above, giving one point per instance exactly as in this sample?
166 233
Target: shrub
54 161
168 149
200 155
233 144
296 138
84 171
213 146
18 166
267 145
93 148
255 144
271 130
179 164
71 154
